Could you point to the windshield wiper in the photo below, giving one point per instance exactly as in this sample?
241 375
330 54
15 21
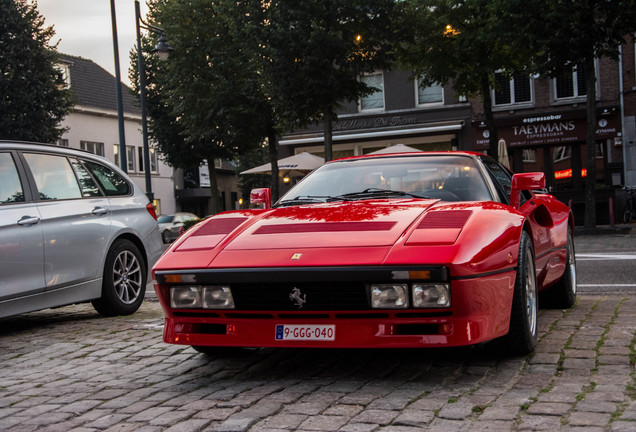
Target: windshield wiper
374 193
307 199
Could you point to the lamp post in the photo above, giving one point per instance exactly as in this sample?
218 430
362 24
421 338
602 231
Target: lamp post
163 50
120 107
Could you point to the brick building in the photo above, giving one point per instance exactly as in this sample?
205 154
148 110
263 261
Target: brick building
542 120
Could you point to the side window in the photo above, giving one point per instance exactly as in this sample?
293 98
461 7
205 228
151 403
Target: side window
53 176
10 187
87 184
501 178
112 183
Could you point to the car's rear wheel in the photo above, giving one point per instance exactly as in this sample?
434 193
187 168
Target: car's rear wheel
628 213
124 283
563 294
522 336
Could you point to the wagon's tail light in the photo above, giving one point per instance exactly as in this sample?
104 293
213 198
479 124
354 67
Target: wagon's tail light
390 296
431 295
151 210
201 297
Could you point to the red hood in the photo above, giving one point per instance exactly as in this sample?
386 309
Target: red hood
349 224
349 233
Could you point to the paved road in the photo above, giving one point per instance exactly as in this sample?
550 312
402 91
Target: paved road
71 370
606 263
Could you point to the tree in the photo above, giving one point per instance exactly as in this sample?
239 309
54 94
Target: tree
315 52
572 34
248 160
205 102
32 99
460 42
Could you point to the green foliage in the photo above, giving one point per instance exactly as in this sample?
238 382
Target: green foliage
316 50
462 43
209 103
32 101
251 159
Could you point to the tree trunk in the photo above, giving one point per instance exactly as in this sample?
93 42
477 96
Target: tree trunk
215 201
328 135
490 118
272 143
590 181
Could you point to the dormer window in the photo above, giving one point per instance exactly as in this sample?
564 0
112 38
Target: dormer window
64 70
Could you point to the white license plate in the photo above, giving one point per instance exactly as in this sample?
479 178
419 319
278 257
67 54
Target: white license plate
305 332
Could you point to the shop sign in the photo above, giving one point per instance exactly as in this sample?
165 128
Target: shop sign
377 122
566 174
204 175
548 129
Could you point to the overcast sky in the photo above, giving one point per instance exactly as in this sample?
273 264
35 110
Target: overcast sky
84 29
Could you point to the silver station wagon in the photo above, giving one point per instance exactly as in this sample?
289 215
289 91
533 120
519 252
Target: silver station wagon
73 228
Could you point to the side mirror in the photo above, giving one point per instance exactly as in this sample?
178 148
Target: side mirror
525 181
261 195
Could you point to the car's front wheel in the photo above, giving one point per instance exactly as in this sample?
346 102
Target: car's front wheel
124 282
522 336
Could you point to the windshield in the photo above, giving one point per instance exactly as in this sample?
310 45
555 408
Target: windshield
165 219
448 178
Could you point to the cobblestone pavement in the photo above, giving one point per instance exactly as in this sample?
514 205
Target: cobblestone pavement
71 370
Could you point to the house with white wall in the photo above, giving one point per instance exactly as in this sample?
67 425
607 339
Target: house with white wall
92 126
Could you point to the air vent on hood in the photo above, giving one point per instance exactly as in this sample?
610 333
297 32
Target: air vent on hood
210 234
454 219
220 226
326 227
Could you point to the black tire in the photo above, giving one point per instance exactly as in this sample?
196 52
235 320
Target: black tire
522 335
165 237
124 283
562 295
629 211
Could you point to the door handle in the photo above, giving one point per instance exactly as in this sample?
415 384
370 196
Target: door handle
28 220
100 211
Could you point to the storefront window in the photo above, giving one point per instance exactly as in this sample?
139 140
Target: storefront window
561 153
529 155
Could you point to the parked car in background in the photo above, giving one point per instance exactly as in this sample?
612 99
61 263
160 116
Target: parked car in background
73 228
170 225
401 250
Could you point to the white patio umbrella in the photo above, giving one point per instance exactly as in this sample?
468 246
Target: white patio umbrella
299 164
398 148
502 154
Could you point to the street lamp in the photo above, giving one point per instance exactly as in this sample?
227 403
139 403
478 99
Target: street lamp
163 51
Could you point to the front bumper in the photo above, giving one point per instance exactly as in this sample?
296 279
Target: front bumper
480 312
